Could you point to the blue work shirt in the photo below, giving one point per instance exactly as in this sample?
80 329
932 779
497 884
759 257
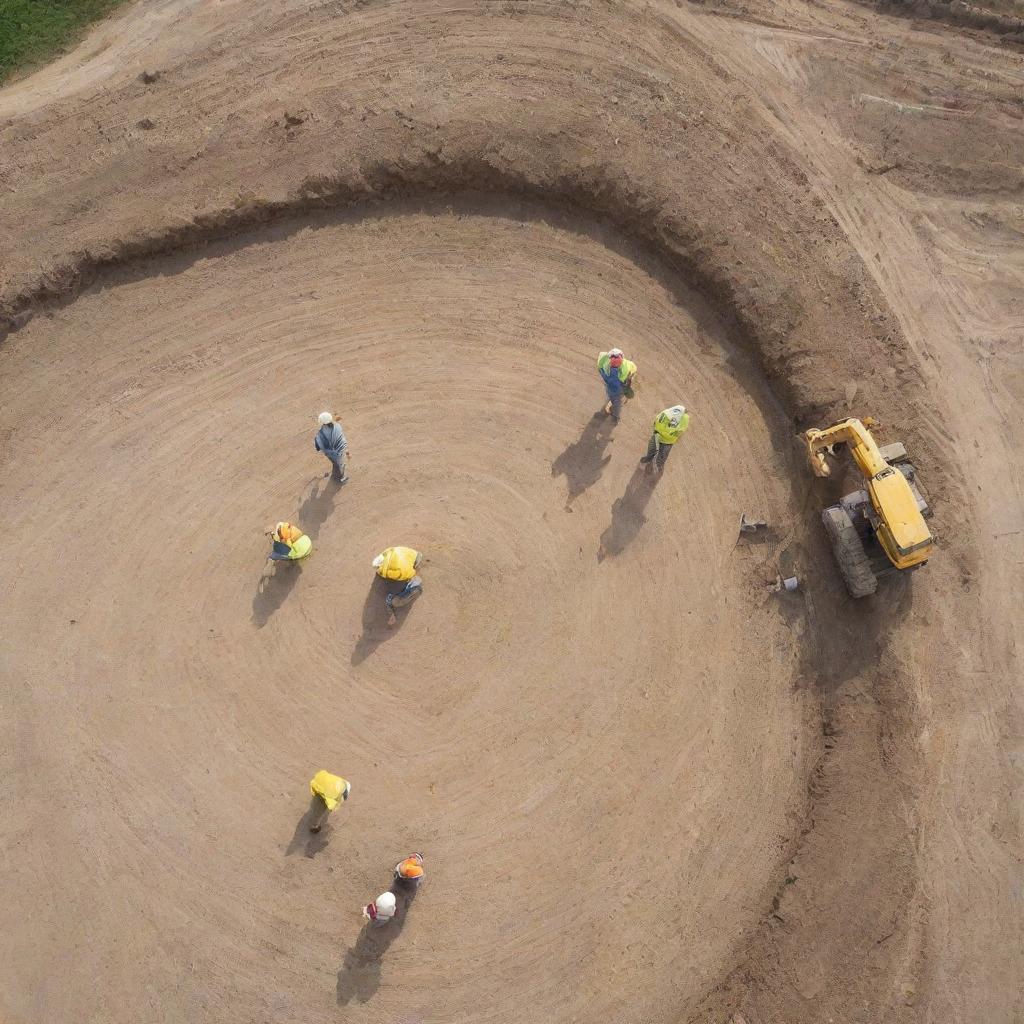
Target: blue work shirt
330 440
612 384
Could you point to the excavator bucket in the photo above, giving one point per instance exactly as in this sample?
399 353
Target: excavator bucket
815 457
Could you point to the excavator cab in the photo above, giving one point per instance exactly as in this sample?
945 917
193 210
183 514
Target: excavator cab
880 529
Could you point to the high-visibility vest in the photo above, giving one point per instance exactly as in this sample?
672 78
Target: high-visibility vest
399 563
625 370
333 789
291 542
667 433
288 534
300 548
411 867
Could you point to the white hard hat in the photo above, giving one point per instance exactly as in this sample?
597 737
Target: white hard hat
385 903
378 561
324 418
615 352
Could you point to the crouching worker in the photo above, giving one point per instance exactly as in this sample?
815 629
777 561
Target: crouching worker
399 565
328 792
382 909
289 543
409 872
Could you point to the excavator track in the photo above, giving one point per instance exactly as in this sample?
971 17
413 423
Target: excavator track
849 551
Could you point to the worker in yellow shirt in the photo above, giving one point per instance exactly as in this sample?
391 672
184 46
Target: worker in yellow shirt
328 792
399 565
617 372
669 425
288 543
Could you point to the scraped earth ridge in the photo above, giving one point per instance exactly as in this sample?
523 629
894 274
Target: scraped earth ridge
646 788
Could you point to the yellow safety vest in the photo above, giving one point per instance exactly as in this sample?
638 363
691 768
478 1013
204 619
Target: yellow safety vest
399 564
333 789
668 434
287 533
300 548
626 369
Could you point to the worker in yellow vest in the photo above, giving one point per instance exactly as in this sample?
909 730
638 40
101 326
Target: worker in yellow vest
669 425
618 373
399 565
288 543
328 792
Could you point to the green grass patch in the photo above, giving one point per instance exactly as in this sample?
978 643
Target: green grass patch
33 31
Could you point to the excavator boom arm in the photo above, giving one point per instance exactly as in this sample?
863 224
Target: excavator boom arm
854 433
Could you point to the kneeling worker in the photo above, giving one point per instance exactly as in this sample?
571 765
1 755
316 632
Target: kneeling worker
669 426
289 543
382 909
410 870
399 564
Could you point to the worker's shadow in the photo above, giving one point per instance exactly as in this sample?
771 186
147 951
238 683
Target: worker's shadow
314 842
317 506
375 619
583 462
276 583
628 513
359 977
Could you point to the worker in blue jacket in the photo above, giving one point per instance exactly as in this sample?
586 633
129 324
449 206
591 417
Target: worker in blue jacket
330 440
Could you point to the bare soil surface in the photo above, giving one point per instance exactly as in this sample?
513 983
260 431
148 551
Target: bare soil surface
646 788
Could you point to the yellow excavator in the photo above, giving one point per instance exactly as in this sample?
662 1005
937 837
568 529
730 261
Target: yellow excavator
880 529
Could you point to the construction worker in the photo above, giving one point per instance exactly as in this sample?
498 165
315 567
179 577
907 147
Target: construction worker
382 909
669 425
618 374
410 870
330 439
399 564
328 792
289 543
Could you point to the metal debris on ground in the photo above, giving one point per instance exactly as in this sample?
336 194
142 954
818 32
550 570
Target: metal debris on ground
750 525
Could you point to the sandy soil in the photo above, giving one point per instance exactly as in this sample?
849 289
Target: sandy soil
646 789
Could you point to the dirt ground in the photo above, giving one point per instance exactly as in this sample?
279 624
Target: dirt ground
646 788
